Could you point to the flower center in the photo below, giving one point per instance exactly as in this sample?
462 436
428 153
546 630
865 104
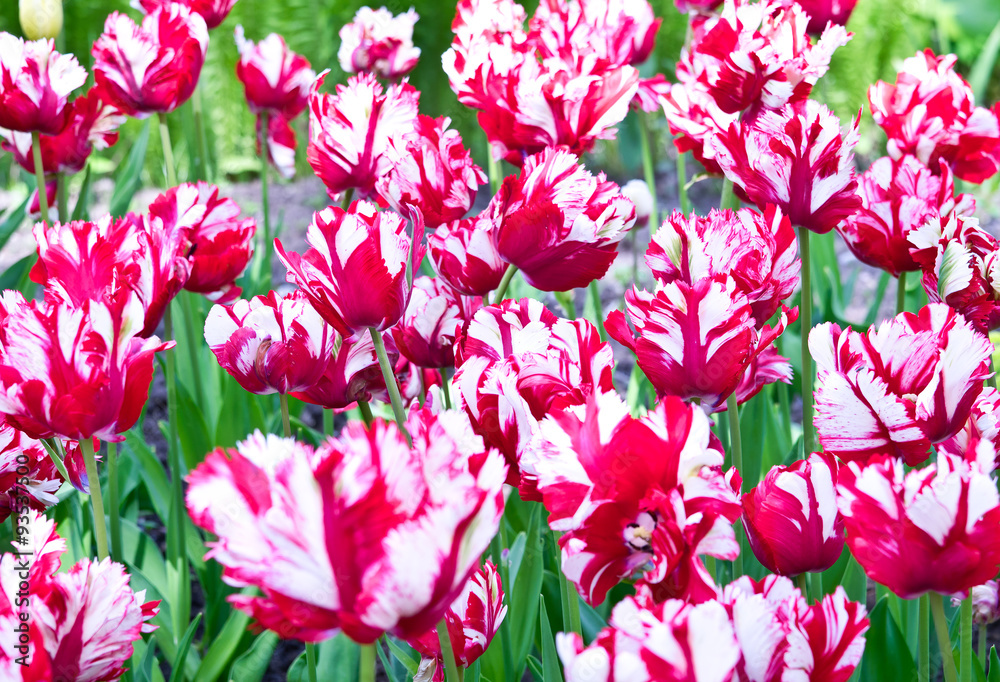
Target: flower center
639 533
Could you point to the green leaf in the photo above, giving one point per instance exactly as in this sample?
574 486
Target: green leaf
979 77
855 582
525 588
192 430
251 666
128 179
16 274
550 659
223 648
82 209
154 476
404 653
994 675
337 660
177 670
144 672
387 666
536 667
13 221
886 655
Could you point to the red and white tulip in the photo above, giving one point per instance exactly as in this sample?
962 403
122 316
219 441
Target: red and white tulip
379 43
35 84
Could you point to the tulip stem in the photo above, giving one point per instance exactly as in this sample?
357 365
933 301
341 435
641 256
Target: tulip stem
94 482
445 391
595 299
981 645
450 667
901 293
327 422
802 580
965 640
345 201
311 661
736 445
806 324
117 551
648 169
728 198
682 190
176 540
168 151
265 202
194 339
924 640
944 640
366 412
366 666
390 383
43 197
493 169
52 447
504 283
62 203
201 140
286 425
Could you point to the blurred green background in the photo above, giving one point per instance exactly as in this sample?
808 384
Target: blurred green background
885 32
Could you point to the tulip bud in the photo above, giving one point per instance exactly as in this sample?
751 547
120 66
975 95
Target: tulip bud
985 603
637 191
40 18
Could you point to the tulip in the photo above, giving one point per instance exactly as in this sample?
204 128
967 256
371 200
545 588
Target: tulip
900 388
929 530
352 133
354 274
985 603
694 341
930 113
824 12
473 619
982 426
558 224
634 498
465 255
352 375
82 622
35 83
669 642
214 12
899 197
271 343
293 534
791 517
758 251
275 79
434 317
694 118
153 67
432 173
379 43
618 32
40 18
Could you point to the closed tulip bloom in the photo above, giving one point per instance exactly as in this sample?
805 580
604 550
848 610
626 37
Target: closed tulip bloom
433 173
960 265
900 388
352 374
634 498
271 343
82 622
796 158
559 224
435 315
352 133
930 112
214 12
929 530
898 197
755 57
294 534
670 642
758 251
153 67
473 619
791 517
40 18
985 603
275 79
35 84
91 124
466 256
221 243
638 192
74 371
694 341
515 362
354 274
379 43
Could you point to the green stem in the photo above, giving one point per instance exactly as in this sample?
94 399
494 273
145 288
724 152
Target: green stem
965 640
62 202
193 344
944 640
802 581
682 191
901 293
648 167
345 201
805 318
201 140
366 412
493 170
736 446
504 283
450 667
924 640
445 391
728 198
286 425
390 383
168 151
176 540
328 422
43 198
981 646
265 202
311 661
114 505
595 299
94 482
366 666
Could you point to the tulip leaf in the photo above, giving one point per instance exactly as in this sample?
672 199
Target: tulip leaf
887 657
177 669
536 667
128 179
337 660
154 476
982 69
81 211
404 653
994 675
196 442
855 582
144 671
591 621
16 274
251 666
526 585
550 659
387 664
225 644
13 221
